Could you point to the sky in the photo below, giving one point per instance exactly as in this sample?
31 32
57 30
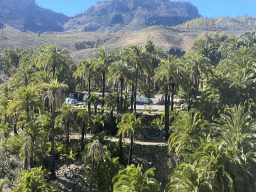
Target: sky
206 8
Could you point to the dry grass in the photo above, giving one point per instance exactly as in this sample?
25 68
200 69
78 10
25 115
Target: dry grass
81 45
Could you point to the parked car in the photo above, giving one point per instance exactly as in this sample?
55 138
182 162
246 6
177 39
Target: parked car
143 100
161 102
70 101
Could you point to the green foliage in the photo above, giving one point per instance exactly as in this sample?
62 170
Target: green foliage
71 155
2 182
5 128
132 179
34 181
104 171
13 144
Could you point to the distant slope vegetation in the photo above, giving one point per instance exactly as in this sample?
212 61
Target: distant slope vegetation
115 15
243 22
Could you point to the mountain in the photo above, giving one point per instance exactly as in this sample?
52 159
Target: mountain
25 15
115 15
105 16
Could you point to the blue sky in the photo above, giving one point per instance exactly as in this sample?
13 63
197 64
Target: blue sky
207 8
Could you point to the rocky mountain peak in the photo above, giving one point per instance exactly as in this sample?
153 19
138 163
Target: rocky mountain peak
115 15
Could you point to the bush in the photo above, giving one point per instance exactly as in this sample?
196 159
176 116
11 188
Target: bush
13 143
34 181
104 171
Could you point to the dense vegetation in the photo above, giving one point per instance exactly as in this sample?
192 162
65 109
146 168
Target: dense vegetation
213 136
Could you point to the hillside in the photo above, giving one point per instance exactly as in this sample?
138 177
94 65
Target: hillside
81 45
116 15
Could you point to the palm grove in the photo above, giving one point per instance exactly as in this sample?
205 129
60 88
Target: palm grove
212 137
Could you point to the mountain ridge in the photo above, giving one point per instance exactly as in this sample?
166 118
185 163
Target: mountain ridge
105 16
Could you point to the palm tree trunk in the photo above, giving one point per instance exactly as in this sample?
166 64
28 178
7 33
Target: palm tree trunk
89 92
82 140
52 165
172 101
103 91
166 116
67 134
15 128
135 94
148 87
132 97
31 161
91 181
53 71
130 153
121 158
121 99
111 117
117 100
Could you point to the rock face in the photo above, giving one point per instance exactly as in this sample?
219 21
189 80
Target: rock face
25 15
106 16
115 15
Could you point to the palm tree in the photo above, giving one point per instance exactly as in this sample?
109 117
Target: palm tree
104 60
132 179
197 65
128 126
96 150
110 103
53 87
50 58
168 73
26 99
188 133
138 59
120 71
237 130
65 118
84 70
95 100
82 120
25 70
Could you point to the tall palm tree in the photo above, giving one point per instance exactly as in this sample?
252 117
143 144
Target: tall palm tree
84 70
25 70
53 87
104 59
138 59
132 179
96 151
188 133
82 120
65 118
26 99
110 102
197 65
168 73
50 58
120 71
128 126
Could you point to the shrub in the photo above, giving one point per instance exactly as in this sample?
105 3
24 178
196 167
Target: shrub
13 143
34 181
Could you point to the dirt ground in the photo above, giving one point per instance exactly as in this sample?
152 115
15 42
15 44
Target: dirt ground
150 153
